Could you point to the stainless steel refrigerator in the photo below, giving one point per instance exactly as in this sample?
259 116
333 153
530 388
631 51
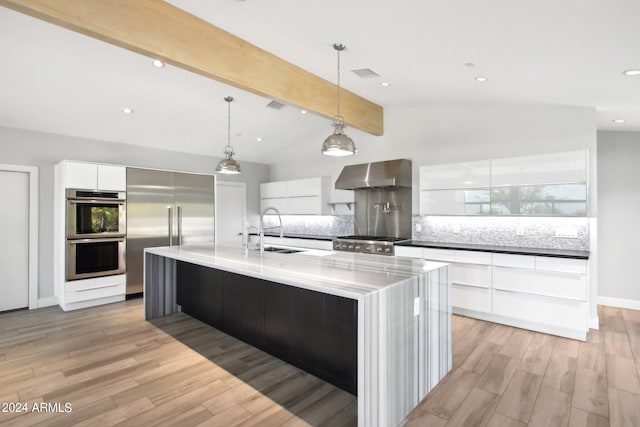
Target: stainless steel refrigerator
165 208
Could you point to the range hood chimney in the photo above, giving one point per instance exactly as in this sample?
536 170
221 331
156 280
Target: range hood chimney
387 174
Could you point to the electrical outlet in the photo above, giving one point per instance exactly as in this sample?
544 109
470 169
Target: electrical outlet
456 228
520 231
418 227
567 232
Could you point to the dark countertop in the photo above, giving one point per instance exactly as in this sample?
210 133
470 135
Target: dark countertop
557 253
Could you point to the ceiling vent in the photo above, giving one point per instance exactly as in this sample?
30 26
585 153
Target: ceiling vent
366 73
275 105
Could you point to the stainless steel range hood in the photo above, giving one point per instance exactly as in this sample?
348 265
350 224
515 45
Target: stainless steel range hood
390 173
382 195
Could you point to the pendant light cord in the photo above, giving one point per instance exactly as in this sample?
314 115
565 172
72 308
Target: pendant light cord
338 85
229 123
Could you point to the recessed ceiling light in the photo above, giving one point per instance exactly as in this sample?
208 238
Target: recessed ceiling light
633 72
259 139
481 79
618 121
303 111
385 84
157 63
127 110
469 64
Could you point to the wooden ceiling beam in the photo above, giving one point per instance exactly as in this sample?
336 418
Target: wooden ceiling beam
160 30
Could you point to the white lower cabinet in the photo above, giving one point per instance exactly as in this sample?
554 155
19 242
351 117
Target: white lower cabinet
89 292
558 316
546 294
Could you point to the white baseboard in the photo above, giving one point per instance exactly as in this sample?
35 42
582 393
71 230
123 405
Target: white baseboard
47 302
619 302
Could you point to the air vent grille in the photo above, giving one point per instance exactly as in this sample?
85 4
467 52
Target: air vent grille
366 73
275 105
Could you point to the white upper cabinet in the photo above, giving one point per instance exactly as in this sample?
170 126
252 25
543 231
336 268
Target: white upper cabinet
113 178
308 196
81 175
552 168
449 176
92 176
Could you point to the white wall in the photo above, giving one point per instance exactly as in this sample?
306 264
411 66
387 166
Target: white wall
618 219
44 150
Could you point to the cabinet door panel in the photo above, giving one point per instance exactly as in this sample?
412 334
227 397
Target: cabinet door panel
565 265
471 298
112 178
549 168
269 190
307 205
455 175
554 312
307 330
243 307
455 202
471 275
81 175
444 255
277 319
304 187
408 252
281 204
341 342
561 285
518 261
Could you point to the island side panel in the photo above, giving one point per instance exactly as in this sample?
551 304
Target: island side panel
159 286
404 354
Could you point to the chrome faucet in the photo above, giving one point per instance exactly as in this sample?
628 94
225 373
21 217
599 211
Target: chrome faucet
270 208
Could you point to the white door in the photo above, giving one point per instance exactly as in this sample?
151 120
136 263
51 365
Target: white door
230 212
14 228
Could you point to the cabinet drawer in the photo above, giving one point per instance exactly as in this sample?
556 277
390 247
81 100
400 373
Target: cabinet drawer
471 275
518 261
445 255
471 298
565 265
408 252
555 312
95 293
554 284
471 257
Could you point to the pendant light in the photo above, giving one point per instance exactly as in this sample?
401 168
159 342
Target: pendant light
228 165
338 144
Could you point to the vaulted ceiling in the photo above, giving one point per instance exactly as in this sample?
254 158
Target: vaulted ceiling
430 53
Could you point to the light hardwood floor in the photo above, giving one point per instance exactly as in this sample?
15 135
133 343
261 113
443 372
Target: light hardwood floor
116 369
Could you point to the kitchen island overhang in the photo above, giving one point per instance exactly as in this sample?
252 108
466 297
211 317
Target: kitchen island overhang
403 312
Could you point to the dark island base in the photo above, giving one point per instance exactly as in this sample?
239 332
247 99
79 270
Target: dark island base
314 331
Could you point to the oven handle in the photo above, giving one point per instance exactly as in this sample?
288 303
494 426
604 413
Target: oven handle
94 201
76 241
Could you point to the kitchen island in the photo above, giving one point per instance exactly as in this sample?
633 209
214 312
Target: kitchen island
379 327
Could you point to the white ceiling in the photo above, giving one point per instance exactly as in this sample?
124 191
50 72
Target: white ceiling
569 52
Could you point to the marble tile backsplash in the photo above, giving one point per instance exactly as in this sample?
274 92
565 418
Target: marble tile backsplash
314 225
537 232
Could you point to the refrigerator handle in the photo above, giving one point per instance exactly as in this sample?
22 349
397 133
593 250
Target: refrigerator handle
179 225
170 221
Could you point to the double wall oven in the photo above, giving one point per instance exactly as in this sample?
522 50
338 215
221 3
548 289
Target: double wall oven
96 233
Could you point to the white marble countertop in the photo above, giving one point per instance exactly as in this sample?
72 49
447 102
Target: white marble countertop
337 273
